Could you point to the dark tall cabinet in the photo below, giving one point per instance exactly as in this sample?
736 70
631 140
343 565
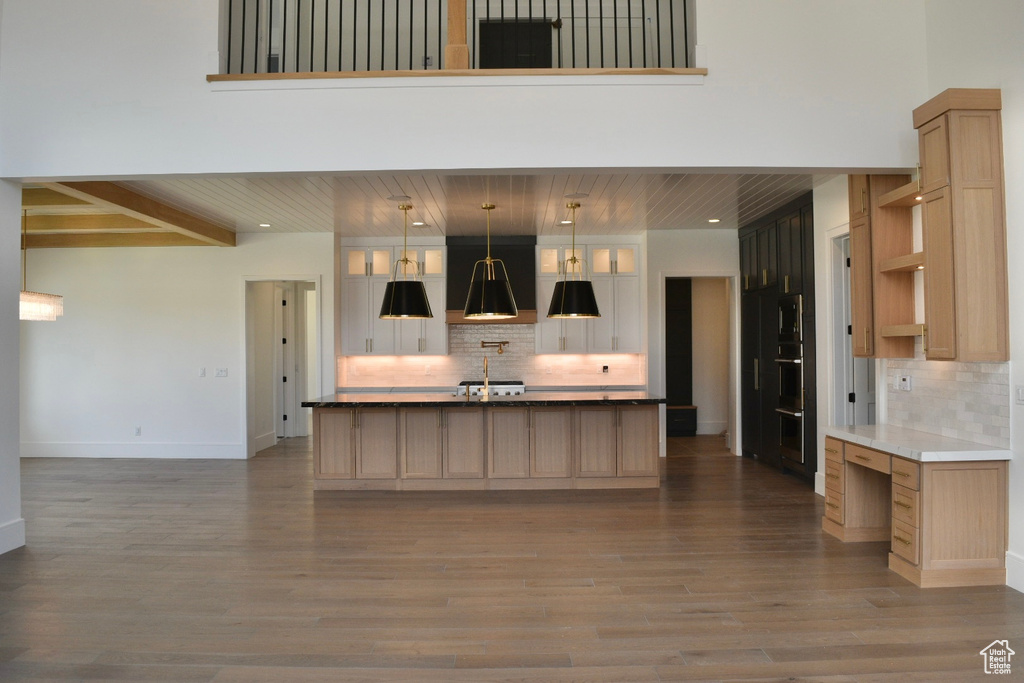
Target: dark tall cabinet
777 267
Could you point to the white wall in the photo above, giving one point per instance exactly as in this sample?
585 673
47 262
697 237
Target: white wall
12 525
978 45
711 308
117 88
260 297
138 325
690 253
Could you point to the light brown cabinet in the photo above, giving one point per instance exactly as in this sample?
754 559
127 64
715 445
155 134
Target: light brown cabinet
551 442
882 285
356 443
508 443
945 521
598 442
966 299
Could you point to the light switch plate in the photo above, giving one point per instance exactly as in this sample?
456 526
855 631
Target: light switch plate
905 383
1019 390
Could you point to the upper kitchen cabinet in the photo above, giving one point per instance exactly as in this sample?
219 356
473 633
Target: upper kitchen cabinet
881 269
366 270
790 253
963 224
772 252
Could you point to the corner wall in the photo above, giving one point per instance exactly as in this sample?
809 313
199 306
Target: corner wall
138 326
12 525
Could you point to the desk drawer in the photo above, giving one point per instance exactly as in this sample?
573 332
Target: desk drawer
905 507
906 542
834 506
834 476
866 457
906 473
833 449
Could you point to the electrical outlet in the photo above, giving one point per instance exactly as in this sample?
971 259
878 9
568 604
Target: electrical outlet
202 372
222 372
604 369
905 383
1020 394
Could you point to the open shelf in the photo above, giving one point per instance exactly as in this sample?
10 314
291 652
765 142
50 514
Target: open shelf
905 195
903 264
915 330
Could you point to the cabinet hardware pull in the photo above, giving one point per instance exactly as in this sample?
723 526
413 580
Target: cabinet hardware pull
919 177
901 474
831 450
352 419
903 505
832 505
757 375
785 280
861 457
832 476
902 540
867 344
863 200
924 339
764 276
746 282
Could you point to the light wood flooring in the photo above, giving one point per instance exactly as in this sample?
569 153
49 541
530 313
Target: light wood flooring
231 571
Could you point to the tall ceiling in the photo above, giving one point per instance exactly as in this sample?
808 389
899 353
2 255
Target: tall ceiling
613 203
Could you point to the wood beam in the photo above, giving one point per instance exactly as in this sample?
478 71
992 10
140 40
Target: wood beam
144 208
456 52
86 223
39 197
112 239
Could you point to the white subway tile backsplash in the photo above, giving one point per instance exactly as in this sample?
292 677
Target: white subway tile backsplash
961 400
517 362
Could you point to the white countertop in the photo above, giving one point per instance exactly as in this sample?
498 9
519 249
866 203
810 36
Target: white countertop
915 445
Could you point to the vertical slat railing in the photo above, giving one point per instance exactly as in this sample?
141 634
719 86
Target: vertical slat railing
385 35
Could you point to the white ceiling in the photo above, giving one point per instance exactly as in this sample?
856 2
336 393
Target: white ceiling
526 204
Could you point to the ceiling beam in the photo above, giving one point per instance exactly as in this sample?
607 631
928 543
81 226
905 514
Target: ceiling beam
138 206
86 223
111 239
43 197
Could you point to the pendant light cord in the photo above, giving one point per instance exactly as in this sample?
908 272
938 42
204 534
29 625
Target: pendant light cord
405 242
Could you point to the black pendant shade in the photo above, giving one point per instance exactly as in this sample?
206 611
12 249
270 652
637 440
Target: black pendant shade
573 299
405 299
490 294
573 296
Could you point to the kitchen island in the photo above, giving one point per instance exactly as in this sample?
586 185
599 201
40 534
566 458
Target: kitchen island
440 441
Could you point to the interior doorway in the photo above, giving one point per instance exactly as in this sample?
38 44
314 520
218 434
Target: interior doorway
855 393
281 343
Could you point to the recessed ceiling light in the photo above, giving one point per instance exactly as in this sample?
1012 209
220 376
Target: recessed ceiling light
264 225
714 220
566 222
418 224
577 195
399 198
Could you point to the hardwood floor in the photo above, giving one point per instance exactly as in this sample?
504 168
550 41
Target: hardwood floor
158 570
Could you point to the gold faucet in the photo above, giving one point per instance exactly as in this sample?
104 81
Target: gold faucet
500 345
486 393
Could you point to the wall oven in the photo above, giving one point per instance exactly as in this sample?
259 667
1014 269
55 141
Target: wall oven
790 406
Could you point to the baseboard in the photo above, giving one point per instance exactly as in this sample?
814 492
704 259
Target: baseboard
155 451
1015 571
12 535
711 428
265 440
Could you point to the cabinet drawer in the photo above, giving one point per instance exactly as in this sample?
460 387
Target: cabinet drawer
867 457
834 476
906 473
834 506
905 542
833 449
905 507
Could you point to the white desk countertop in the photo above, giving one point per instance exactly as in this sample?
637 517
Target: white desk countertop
915 445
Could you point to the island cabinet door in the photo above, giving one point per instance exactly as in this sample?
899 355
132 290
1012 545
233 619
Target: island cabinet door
377 439
463 430
420 443
551 437
596 441
638 441
333 443
508 443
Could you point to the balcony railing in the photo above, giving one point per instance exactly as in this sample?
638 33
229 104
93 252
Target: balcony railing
299 36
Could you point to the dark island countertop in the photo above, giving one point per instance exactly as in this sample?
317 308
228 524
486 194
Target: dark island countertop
449 400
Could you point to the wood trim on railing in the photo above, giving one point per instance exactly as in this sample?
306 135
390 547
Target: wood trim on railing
218 78
456 51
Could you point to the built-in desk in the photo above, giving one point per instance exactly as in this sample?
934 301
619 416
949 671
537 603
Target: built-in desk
942 503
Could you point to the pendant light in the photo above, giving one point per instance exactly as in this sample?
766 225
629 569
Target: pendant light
490 294
35 305
573 296
405 298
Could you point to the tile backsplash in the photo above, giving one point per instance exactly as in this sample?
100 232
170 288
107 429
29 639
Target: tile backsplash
968 401
519 361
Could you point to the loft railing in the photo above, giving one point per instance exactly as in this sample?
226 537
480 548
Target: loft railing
296 36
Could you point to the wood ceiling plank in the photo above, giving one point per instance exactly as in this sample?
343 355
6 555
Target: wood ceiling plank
124 239
147 209
86 223
44 197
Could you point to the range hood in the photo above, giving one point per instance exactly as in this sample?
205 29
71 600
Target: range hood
519 255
